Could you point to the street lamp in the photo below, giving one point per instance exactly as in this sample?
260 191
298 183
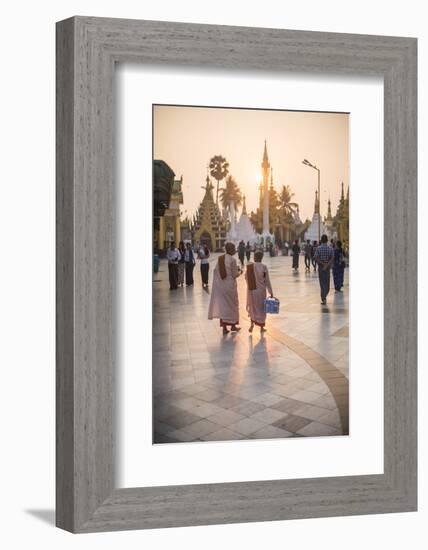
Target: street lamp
307 163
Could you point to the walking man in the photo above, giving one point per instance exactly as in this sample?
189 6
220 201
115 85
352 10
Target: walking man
308 255
295 249
324 256
173 256
314 263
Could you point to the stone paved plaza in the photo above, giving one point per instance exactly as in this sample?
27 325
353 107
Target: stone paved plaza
290 382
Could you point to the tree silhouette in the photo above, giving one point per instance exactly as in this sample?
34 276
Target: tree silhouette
230 193
219 168
286 206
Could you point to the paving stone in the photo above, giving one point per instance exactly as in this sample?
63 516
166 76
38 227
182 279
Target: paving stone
246 426
270 432
291 423
226 417
268 415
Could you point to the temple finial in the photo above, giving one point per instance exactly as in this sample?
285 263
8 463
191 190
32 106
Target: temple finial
317 204
265 156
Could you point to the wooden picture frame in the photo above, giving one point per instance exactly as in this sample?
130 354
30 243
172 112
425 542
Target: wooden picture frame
87 50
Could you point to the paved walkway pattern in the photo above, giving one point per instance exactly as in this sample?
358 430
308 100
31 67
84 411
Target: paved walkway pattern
290 382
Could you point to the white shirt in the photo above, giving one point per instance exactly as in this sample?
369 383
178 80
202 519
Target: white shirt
202 257
173 255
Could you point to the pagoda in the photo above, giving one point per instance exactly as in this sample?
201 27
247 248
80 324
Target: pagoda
329 224
341 219
266 234
244 228
316 229
169 222
209 226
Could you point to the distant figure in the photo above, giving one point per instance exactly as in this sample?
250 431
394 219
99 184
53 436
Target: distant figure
258 284
248 251
308 255
241 252
182 250
224 304
296 251
173 256
338 267
271 249
286 246
324 256
203 255
314 247
189 262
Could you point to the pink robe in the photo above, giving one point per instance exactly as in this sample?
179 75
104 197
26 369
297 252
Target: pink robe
255 298
224 304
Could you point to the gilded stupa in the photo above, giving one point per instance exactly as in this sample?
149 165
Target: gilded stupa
209 226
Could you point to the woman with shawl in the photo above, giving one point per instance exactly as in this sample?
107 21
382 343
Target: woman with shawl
258 284
224 304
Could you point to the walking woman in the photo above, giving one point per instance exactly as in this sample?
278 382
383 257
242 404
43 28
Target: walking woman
224 303
182 251
189 262
258 284
203 256
338 266
296 251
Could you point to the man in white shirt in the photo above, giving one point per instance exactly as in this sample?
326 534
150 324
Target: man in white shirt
173 255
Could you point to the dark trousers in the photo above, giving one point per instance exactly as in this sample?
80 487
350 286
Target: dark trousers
314 263
307 262
248 254
189 273
338 274
241 257
324 278
204 273
295 261
173 276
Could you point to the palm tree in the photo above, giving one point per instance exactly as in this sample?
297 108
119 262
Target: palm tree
219 168
287 208
231 197
230 193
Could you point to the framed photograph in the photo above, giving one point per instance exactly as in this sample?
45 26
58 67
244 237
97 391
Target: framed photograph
236 282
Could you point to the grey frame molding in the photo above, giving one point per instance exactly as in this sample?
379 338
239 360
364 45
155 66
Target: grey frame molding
87 50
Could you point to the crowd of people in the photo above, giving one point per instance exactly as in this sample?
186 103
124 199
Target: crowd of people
324 257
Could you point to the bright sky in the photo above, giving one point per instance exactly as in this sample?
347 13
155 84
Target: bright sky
187 137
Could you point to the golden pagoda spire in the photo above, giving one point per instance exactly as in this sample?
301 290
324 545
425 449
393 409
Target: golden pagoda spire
342 194
265 154
244 206
271 178
317 204
329 209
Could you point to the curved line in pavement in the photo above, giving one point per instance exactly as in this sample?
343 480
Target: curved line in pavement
335 380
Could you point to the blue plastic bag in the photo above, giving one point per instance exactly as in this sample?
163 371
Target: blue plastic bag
271 305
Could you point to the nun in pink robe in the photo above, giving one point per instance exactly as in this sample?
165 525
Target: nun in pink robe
258 285
224 304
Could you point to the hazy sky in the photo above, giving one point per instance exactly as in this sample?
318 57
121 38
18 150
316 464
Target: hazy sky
187 137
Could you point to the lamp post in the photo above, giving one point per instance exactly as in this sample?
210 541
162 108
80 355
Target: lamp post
307 163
